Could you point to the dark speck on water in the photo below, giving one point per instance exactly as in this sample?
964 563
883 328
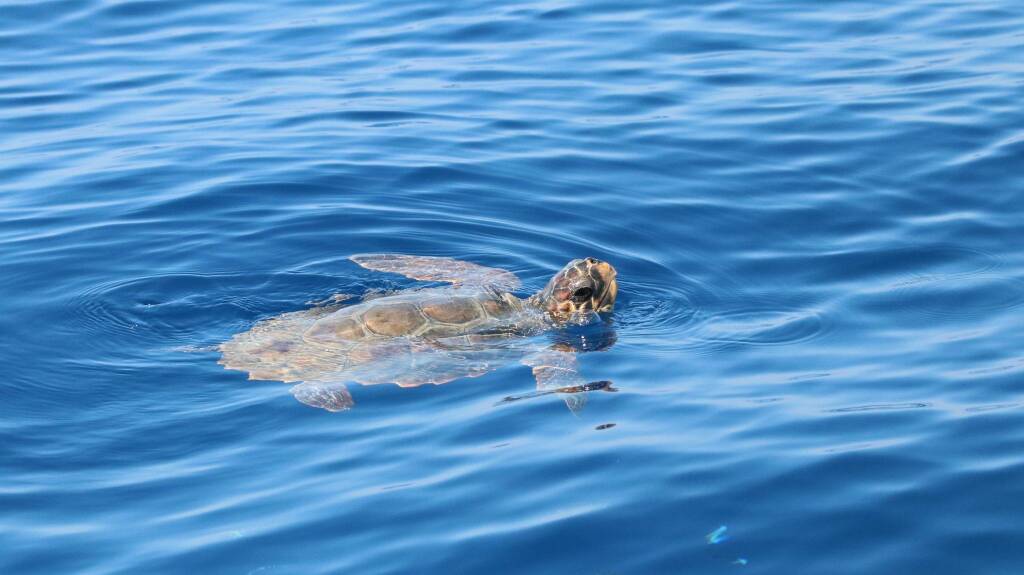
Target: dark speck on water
815 210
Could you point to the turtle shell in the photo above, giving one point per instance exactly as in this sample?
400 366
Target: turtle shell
425 314
424 336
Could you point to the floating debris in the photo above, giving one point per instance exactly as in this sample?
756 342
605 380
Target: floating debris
717 536
605 426
740 561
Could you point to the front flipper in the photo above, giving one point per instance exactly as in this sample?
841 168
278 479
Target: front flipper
558 372
437 269
331 396
603 385
331 303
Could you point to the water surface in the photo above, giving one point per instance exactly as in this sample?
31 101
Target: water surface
815 210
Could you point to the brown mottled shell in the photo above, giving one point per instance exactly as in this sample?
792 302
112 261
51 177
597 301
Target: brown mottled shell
410 338
417 315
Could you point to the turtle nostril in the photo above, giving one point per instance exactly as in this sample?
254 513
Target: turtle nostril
591 261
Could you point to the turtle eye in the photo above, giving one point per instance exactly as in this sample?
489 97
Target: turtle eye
582 294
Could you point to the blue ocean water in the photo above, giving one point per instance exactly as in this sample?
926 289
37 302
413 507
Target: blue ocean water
815 209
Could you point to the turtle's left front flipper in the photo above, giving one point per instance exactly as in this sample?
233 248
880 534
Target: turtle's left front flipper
557 371
440 269
331 396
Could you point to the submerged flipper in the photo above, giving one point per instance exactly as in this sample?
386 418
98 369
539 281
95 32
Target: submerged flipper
603 385
437 269
558 372
326 395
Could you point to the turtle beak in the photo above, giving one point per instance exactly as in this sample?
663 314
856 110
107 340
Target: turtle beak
605 288
605 298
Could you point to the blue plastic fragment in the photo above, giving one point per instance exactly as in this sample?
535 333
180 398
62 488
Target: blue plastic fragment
717 536
740 561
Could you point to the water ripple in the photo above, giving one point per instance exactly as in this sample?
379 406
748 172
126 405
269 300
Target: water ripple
762 326
814 209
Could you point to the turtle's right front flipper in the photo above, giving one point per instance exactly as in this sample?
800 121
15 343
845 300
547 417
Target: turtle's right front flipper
557 371
331 396
603 385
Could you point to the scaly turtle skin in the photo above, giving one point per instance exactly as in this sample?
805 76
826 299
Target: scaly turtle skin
430 335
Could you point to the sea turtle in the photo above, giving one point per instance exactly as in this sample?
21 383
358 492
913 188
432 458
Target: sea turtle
430 335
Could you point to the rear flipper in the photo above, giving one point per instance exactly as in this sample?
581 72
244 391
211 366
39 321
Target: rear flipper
331 396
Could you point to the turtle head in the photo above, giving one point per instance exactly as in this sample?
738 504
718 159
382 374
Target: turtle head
584 285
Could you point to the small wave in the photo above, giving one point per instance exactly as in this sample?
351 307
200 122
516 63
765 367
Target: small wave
879 407
952 295
762 326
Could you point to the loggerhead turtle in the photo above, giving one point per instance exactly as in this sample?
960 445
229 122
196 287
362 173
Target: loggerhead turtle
431 335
